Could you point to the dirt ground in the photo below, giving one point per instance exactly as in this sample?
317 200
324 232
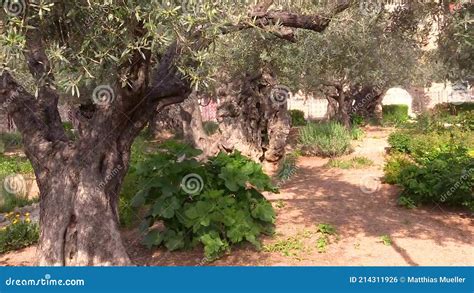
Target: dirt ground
356 203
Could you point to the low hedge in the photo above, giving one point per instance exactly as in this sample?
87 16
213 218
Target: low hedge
395 114
297 118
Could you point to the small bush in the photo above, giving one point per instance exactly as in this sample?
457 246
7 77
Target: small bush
131 183
400 141
297 118
20 233
217 203
354 163
325 139
357 120
357 133
210 127
446 179
395 114
394 166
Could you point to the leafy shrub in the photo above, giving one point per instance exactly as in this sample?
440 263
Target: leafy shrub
131 183
217 203
210 127
20 232
400 141
356 162
325 231
394 166
297 118
395 114
326 139
437 162
357 120
357 133
448 179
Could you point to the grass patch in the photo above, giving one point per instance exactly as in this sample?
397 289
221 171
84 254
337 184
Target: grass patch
325 231
330 139
290 246
11 201
354 163
14 165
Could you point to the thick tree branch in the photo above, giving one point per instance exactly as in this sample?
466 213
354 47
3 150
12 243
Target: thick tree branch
318 23
48 97
24 109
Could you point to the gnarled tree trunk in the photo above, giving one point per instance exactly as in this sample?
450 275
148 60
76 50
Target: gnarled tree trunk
79 208
252 121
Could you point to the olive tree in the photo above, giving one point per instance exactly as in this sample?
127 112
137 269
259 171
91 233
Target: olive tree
117 62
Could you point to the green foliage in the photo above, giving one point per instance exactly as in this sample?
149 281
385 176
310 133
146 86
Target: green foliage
327 229
407 202
395 114
446 179
322 244
386 240
455 47
357 121
131 184
19 233
395 164
11 201
432 164
290 246
297 118
357 133
14 165
400 141
354 163
433 161
217 203
210 127
325 139
323 241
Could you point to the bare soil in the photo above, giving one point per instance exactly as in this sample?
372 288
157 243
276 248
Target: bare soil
355 202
